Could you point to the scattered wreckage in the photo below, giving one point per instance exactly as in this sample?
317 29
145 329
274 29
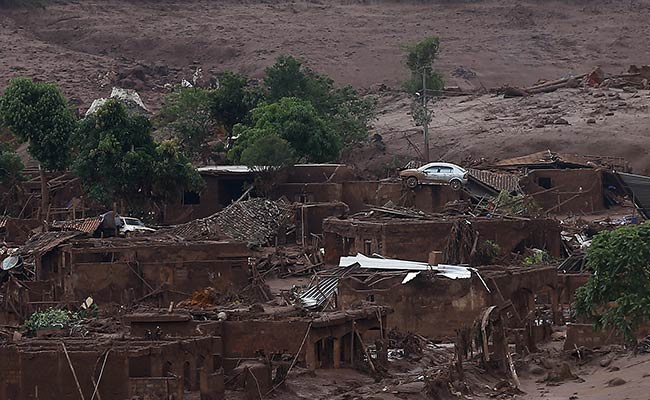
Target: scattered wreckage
328 272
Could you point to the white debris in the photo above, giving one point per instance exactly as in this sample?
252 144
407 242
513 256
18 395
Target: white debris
129 97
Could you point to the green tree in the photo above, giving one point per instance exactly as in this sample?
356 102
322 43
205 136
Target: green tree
617 295
347 113
118 159
268 151
188 113
233 100
419 60
11 166
173 172
298 123
38 113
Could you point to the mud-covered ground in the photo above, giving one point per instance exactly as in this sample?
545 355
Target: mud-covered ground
88 46
85 44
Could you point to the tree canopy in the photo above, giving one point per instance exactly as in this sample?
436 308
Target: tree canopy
10 166
297 122
236 105
118 159
617 295
188 113
38 113
419 59
233 100
268 151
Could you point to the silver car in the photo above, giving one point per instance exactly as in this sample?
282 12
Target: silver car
435 173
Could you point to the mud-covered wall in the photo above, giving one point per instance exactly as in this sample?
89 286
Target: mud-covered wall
415 239
436 307
432 309
127 274
244 339
20 379
566 190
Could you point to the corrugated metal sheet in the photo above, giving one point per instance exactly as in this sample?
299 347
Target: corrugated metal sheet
449 271
225 170
499 181
86 225
639 188
324 288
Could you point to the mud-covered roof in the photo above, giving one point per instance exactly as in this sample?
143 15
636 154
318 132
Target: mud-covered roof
86 225
44 242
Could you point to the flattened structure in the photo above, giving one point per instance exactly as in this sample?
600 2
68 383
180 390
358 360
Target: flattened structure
86 225
254 221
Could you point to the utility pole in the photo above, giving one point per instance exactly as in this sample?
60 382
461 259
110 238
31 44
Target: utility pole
425 125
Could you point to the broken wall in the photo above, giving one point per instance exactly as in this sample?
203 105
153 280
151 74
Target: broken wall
566 190
414 240
127 274
436 307
219 192
139 366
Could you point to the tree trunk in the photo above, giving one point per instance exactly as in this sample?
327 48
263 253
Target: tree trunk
45 197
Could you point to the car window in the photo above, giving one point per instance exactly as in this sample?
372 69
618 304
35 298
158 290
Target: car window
133 221
446 170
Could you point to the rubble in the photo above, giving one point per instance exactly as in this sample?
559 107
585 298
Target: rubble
446 300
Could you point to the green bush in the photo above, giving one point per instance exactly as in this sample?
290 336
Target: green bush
50 318
617 295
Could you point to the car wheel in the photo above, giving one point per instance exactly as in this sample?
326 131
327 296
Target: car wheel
455 184
412 182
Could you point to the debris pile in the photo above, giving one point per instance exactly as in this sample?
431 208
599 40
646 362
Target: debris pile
256 221
635 78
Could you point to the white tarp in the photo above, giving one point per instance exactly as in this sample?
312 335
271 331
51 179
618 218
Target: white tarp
449 271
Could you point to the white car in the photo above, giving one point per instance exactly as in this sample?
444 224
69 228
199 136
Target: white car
128 225
435 173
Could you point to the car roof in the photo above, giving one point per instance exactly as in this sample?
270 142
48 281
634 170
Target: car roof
440 164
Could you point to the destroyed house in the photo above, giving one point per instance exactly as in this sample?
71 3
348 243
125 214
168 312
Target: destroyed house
566 183
117 369
67 268
436 301
415 239
328 338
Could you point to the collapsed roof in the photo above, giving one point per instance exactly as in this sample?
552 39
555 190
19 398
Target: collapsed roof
254 221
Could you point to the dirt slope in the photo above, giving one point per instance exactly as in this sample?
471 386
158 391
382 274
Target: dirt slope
466 129
87 46
84 44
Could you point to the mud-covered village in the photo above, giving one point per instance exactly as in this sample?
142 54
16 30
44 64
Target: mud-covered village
324 200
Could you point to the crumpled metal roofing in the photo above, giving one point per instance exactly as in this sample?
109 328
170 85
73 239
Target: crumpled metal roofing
321 290
449 271
324 288
86 225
